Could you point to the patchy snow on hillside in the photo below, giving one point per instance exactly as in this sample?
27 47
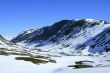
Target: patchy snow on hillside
67 47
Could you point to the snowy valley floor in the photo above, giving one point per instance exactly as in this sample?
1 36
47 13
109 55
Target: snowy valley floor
101 64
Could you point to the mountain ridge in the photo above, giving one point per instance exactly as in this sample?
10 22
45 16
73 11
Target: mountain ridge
64 36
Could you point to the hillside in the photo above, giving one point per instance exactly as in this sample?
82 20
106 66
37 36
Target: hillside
67 37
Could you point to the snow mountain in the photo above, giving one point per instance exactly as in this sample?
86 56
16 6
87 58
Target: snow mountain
99 43
67 46
7 45
68 37
3 42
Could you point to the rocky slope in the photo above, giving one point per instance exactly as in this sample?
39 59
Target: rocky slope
68 37
99 43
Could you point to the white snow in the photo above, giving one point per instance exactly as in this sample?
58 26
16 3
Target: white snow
8 64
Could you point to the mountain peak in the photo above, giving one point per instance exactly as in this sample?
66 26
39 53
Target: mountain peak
67 35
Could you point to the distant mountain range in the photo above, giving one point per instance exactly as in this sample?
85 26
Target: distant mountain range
68 37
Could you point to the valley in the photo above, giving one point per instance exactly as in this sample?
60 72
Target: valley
67 46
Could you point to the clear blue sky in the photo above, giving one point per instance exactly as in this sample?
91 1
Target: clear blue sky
18 15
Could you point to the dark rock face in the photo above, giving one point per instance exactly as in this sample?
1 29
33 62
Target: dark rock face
41 34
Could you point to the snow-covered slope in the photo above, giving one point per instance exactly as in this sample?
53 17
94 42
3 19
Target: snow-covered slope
99 43
67 37
7 45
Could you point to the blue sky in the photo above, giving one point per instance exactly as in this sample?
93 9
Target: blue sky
18 15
